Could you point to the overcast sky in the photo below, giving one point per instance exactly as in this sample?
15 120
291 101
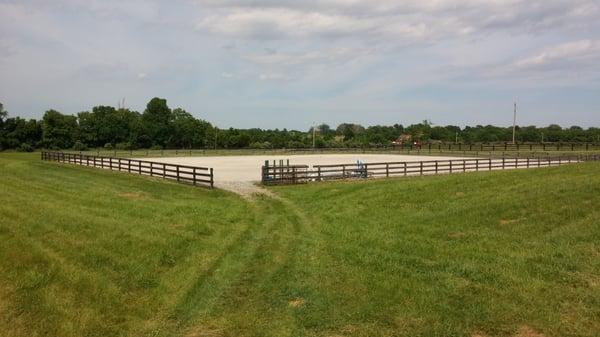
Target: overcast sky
291 63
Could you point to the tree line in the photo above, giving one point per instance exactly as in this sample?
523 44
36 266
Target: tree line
159 126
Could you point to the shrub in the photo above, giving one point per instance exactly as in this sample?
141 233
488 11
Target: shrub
259 145
79 146
294 144
24 147
124 146
108 146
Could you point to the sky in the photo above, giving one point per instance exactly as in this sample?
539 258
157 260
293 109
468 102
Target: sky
292 63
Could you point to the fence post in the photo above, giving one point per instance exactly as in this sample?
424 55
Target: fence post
527 162
164 170
319 173
490 164
477 165
421 167
436 167
194 176
464 165
177 170
212 178
387 169
405 169
450 166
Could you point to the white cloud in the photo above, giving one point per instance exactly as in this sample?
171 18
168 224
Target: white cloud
576 54
273 77
405 22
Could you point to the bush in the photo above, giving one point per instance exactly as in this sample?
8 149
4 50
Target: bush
156 147
294 144
25 148
124 146
79 146
259 145
108 146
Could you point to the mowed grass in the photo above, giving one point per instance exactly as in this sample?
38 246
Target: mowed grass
88 252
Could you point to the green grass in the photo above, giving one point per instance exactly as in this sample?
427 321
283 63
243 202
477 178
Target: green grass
87 252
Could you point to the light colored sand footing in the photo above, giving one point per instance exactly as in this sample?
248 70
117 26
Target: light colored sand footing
240 173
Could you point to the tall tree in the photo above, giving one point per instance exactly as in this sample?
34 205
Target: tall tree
58 130
156 119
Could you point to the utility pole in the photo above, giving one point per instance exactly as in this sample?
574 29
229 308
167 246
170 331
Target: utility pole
216 135
514 122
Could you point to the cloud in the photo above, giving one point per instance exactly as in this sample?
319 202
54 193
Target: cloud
372 59
579 60
405 22
274 77
314 57
567 55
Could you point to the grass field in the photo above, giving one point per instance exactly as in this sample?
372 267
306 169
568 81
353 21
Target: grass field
88 252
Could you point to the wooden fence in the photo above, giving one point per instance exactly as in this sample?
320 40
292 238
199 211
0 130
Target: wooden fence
505 147
297 174
200 176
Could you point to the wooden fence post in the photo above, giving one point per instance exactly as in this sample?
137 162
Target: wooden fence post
212 178
387 169
405 169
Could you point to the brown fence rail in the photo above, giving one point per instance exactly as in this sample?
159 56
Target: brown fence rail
200 176
297 174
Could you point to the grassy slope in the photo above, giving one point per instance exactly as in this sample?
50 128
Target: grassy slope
91 252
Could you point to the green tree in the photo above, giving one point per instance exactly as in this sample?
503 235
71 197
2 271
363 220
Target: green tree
58 130
156 120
